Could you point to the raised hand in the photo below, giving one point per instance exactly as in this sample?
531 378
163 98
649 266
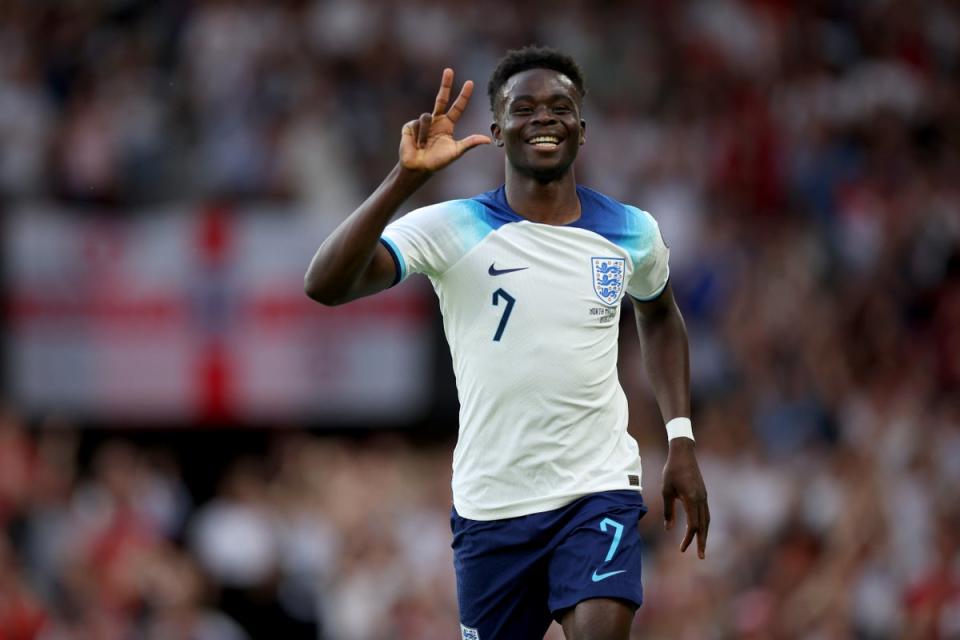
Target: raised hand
427 143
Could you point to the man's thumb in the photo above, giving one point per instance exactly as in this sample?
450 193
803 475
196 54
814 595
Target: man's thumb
472 141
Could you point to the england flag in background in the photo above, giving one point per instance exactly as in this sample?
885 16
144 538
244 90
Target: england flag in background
199 316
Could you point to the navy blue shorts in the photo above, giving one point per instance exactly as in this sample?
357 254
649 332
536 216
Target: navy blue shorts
517 574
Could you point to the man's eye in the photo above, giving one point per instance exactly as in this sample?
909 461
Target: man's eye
522 110
561 109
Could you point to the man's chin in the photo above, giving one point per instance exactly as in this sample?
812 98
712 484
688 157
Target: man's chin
546 175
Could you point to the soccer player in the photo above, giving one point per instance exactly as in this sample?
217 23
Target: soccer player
530 279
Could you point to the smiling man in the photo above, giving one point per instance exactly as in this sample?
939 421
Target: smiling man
530 279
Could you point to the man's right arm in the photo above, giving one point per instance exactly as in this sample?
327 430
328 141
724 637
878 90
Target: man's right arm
351 262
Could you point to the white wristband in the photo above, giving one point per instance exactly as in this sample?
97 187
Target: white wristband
679 428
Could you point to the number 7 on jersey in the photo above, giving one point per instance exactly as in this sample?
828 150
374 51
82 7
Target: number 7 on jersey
510 300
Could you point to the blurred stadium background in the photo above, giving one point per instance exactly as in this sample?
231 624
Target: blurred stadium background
189 448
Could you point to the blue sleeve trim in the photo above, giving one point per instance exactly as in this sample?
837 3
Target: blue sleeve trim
398 263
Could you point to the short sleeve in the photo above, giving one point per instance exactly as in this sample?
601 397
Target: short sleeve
651 258
432 239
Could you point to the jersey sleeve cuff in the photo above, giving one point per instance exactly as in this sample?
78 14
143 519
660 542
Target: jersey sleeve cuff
399 265
653 296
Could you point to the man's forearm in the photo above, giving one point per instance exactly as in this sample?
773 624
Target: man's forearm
666 357
336 269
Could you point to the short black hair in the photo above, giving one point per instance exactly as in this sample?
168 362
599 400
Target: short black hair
533 57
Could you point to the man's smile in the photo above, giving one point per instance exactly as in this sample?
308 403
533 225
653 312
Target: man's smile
547 143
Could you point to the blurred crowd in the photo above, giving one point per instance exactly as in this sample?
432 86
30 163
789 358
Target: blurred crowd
317 537
803 160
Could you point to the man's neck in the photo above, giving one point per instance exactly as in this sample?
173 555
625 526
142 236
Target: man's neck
553 202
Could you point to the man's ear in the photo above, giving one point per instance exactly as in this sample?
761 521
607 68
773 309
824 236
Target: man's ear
495 132
583 131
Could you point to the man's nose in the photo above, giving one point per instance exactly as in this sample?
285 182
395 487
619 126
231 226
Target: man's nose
543 114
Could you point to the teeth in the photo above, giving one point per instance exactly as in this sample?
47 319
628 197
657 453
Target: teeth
545 140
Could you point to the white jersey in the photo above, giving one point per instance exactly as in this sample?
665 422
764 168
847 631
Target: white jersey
531 312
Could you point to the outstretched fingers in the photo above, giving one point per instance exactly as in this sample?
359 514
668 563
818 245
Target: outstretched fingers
461 102
443 96
427 142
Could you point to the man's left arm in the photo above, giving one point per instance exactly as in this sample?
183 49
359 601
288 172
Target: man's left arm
663 339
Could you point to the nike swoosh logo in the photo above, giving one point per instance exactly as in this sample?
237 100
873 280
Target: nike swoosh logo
499 272
597 577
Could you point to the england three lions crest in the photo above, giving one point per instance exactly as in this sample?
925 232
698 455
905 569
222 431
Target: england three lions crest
608 276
